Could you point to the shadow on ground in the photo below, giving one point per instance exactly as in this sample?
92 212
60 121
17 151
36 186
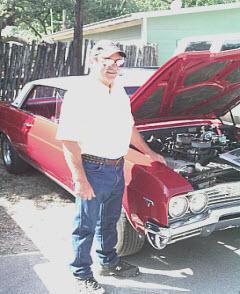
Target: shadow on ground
18 275
31 185
198 265
13 240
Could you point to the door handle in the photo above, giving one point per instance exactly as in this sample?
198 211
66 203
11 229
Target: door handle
28 125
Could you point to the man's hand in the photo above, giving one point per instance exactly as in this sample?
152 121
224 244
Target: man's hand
84 190
137 141
72 153
157 157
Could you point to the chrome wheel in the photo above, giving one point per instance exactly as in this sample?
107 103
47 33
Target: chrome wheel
12 162
6 152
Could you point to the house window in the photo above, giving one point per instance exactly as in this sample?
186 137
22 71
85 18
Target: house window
230 45
198 46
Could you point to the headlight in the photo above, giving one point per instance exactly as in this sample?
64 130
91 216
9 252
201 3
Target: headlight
198 202
178 206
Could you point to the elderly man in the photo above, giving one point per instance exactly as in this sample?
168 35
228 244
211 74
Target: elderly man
96 127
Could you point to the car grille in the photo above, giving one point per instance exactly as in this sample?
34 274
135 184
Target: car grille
223 193
218 195
185 235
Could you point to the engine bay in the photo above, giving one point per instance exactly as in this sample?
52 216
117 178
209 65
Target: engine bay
195 152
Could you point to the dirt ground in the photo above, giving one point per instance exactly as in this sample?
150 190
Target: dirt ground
33 186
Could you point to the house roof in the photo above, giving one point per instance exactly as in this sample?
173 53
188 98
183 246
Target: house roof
134 19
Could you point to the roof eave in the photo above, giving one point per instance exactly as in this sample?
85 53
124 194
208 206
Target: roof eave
99 27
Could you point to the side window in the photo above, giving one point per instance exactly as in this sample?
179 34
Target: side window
198 46
59 95
44 101
229 45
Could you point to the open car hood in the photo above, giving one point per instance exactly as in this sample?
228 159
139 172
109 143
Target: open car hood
190 85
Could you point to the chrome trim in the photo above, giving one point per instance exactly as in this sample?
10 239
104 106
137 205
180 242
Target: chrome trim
40 170
203 208
48 175
184 212
6 152
225 192
220 194
58 182
202 224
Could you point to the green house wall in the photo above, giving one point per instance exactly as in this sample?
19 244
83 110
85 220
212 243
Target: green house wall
167 30
132 33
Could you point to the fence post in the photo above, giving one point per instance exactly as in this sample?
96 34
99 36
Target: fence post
21 64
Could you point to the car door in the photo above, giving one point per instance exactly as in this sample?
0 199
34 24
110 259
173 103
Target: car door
42 149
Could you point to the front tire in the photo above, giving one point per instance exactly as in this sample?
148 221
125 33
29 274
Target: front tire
129 240
11 160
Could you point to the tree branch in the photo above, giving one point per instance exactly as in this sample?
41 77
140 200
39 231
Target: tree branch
32 28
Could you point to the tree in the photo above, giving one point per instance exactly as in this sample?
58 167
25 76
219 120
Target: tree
96 10
37 16
104 9
78 39
192 3
34 14
7 14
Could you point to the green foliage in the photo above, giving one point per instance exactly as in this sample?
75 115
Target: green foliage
35 16
192 3
7 13
104 9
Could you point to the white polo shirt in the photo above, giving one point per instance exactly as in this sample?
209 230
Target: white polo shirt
101 122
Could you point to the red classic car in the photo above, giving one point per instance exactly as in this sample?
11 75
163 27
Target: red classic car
178 112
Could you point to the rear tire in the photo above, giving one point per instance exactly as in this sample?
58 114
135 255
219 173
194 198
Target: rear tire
129 240
11 160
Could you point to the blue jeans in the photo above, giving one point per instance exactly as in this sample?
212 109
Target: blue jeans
98 217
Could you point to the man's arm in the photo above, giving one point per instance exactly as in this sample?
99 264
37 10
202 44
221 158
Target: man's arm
72 153
139 143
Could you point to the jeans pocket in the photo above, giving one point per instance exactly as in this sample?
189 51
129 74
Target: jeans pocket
93 167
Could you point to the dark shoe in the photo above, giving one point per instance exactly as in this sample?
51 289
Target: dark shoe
89 286
122 269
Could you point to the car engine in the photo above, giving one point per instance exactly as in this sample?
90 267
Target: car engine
194 153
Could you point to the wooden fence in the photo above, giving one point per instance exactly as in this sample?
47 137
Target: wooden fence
21 64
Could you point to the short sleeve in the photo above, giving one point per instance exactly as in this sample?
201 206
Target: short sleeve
69 112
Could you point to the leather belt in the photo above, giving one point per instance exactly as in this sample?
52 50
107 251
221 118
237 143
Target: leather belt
101 160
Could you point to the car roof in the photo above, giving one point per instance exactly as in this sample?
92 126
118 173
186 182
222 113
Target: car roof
58 82
127 77
130 76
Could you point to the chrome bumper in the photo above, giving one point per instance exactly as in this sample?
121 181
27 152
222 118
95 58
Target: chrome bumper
198 225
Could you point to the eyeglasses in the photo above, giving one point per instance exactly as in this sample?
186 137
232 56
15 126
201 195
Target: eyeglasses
110 62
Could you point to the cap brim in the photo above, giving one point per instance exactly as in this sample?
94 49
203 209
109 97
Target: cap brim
108 53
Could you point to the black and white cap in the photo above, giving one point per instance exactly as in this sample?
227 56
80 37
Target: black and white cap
106 48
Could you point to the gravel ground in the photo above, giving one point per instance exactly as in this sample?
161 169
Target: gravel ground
32 185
